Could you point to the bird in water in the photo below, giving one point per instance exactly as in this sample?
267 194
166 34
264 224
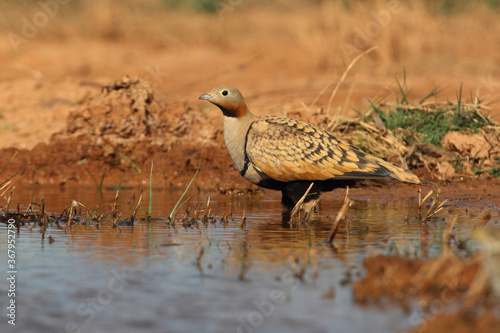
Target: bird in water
288 155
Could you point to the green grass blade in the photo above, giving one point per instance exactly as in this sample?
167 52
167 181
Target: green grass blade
185 191
126 158
132 163
123 179
99 186
5 181
9 162
403 89
150 208
433 93
90 216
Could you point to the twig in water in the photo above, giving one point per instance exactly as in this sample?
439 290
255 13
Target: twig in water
340 216
114 204
299 203
9 199
421 202
243 221
447 235
115 222
72 212
198 260
435 206
134 214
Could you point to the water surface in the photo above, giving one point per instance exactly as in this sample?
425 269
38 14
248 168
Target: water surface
232 277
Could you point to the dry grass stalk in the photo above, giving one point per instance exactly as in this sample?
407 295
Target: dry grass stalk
243 221
435 206
446 237
9 198
301 200
346 193
419 198
369 132
134 214
72 212
44 219
349 93
9 162
30 207
207 217
432 105
344 75
342 78
308 207
4 186
115 203
340 217
206 212
420 201
115 222
89 212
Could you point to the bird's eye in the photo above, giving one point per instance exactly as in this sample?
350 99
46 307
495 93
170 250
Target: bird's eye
224 92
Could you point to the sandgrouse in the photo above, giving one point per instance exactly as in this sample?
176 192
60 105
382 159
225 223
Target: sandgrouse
285 154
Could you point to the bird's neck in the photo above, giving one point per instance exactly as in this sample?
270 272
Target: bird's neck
236 110
235 133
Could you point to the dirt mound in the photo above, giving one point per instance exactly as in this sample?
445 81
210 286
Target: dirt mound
402 278
126 111
116 133
127 115
449 292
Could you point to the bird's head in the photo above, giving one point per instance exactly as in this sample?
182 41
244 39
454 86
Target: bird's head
229 100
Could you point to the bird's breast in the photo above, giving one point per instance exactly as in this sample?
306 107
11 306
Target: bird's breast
235 136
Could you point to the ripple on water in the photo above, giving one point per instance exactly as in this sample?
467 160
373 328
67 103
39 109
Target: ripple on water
158 278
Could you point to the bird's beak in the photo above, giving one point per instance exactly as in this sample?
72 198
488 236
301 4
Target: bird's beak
205 96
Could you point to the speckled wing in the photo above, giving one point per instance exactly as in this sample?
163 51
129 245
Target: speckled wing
289 150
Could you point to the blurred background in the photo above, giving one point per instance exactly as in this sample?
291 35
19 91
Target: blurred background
282 55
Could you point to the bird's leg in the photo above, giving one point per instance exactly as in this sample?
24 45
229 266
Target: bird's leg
287 203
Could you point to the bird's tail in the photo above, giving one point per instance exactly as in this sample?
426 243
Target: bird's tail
374 168
403 175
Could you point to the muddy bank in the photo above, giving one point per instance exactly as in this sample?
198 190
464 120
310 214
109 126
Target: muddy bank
448 293
115 134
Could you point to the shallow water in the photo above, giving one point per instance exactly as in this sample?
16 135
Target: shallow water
152 277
